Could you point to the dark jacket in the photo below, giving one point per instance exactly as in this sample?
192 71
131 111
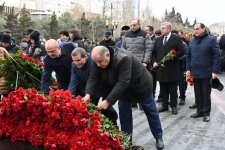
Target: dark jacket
170 72
125 74
182 60
12 49
36 51
61 66
203 56
79 77
107 43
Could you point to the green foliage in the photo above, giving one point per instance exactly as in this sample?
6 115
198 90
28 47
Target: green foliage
11 21
20 72
97 29
66 22
42 25
108 126
84 25
54 28
2 19
24 22
173 17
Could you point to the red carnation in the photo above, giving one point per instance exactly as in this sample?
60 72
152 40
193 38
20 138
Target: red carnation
173 52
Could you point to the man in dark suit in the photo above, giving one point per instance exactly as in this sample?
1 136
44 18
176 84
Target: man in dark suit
58 60
130 82
168 75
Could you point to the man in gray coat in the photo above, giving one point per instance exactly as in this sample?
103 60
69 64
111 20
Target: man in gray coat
138 42
130 82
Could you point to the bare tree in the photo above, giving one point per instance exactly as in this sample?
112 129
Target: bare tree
77 11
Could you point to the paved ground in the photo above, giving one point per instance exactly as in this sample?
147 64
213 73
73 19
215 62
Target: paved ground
182 132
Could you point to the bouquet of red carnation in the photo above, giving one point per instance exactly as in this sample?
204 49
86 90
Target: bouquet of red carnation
21 71
189 78
170 55
57 122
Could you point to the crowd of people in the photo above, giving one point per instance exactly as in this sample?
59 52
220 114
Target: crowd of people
127 70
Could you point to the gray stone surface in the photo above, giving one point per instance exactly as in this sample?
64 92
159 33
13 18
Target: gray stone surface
182 132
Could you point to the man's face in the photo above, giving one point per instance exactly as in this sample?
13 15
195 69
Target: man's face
148 31
165 30
5 45
198 31
53 51
134 26
108 37
63 37
102 62
79 61
32 42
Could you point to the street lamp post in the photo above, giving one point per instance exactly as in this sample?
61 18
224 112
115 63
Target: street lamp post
114 24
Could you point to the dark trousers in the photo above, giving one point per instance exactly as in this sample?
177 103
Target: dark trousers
182 84
202 91
149 107
168 90
153 73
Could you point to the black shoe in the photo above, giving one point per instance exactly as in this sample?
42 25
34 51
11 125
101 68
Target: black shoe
196 115
159 100
174 111
193 106
159 144
182 102
206 118
162 109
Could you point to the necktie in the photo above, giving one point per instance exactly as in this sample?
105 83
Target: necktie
165 39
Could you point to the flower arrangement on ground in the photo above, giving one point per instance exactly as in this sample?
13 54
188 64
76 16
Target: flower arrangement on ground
57 121
21 71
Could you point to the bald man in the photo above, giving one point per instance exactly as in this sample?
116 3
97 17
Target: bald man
58 59
129 81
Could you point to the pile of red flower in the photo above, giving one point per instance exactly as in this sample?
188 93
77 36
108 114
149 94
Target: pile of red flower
56 122
25 57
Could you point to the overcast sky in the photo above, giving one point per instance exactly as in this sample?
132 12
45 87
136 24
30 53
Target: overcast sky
206 11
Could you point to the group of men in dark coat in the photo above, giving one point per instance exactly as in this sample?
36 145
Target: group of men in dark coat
126 76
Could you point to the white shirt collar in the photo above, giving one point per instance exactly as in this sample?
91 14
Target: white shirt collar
168 36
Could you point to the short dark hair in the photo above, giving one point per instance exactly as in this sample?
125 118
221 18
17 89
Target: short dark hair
151 28
201 24
138 21
78 51
66 33
29 31
174 31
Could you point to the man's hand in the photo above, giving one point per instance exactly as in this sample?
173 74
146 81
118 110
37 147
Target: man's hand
144 64
155 65
103 105
188 72
87 98
214 75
